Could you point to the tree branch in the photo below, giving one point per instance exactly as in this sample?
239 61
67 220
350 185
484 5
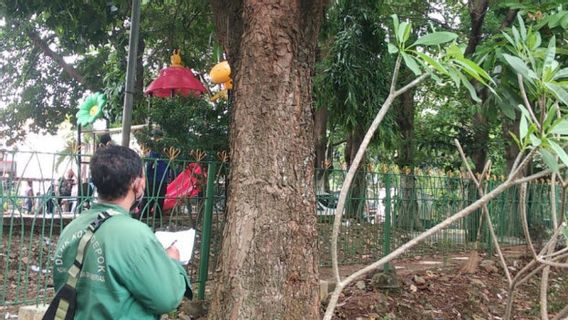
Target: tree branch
44 46
477 11
526 100
485 210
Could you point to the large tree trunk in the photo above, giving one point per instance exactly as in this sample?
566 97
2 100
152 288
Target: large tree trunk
320 137
480 125
408 217
268 263
477 11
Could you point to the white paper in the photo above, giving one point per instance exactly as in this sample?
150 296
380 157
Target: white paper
183 242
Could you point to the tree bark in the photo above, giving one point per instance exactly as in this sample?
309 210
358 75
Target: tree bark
268 263
480 122
320 138
408 216
477 11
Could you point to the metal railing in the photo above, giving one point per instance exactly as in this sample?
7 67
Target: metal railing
384 209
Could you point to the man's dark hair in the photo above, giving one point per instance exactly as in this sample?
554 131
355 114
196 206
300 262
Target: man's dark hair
105 139
113 169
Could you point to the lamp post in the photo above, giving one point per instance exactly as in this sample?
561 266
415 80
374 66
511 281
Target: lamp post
130 73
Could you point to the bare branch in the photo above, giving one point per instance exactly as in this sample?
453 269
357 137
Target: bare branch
357 160
395 75
400 250
523 213
412 84
485 210
526 100
553 200
561 314
535 176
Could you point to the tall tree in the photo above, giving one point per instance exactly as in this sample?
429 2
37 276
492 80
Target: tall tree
268 260
51 52
351 81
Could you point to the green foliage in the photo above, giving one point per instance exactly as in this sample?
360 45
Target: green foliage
449 62
543 123
94 34
188 124
350 79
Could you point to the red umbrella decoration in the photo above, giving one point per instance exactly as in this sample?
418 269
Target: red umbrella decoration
175 80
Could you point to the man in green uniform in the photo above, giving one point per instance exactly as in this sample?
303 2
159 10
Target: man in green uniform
126 272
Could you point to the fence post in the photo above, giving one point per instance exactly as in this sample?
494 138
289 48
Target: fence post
206 231
387 224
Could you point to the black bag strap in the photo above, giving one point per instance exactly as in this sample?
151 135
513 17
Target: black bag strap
64 304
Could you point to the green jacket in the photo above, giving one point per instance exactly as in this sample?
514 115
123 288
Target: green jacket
126 273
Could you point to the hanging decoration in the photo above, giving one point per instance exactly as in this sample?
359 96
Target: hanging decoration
221 74
91 109
175 80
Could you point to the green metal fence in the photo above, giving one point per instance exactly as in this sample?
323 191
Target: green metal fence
384 210
29 235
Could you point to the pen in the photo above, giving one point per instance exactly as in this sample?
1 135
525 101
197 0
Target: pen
171 245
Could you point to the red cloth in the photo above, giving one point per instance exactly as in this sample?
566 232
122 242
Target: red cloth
186 184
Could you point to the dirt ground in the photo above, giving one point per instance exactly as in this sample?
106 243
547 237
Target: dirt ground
429 287
433 288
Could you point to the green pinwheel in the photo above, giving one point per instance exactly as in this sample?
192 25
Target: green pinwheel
91 109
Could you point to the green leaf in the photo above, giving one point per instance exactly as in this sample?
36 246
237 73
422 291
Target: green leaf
549 160
560 128
522 28
509 39
534 40
535 141
508 111
453 51
433 62
550 53
516 36
559 151
564 23
454 75
560 74
557 19
411 63
392 48
469 87
475 69
435 38
524 110
523 127
520 66
558 91
395 24
407 31
550 115
402 30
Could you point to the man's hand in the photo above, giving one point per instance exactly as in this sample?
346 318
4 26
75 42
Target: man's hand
173 252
